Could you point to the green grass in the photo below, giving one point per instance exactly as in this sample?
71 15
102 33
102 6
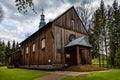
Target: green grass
20 74
112 75
96 61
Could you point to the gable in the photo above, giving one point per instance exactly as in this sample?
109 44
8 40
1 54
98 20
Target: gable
70 20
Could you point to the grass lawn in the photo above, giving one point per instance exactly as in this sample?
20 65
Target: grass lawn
96 61
20 74
112 75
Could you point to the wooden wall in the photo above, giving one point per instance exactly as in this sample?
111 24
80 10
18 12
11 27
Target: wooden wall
14 59
63 27
40 56
56 37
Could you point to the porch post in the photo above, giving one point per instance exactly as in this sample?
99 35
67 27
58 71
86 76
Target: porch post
90 56
78 55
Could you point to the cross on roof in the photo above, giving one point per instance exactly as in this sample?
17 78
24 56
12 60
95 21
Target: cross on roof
42 11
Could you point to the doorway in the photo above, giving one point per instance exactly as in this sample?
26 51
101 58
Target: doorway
70 56
83 56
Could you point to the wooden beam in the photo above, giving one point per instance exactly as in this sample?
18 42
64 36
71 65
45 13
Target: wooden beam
90 56
78 55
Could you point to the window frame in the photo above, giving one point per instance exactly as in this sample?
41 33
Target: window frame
27 50
43 43
33 47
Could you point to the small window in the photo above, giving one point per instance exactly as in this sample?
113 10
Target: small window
43 43
33 49
27 50
67 55
73 23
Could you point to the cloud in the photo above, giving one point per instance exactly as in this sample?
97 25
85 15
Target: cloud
15 24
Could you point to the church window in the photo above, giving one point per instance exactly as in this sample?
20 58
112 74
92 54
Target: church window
73 23
43 44
27 50
33 48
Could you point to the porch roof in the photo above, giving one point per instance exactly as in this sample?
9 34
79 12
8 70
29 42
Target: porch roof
82 41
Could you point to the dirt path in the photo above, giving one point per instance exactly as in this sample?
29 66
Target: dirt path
58 75
51 77
69 73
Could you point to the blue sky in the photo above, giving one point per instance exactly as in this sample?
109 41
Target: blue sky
15 24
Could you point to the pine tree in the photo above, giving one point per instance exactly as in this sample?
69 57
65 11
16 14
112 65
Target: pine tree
114 34
95 34
7 51
103 29
17 45
110 35
117 58
13 46
2 53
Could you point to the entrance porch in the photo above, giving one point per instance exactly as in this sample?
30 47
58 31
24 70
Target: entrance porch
78 52
78 55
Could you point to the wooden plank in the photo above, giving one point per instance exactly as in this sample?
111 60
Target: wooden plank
78 55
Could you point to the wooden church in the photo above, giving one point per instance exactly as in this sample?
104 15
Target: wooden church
57 44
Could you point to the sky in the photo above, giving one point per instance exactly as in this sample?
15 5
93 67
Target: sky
15 25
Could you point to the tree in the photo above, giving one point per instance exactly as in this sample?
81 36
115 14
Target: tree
23 5
13 46
109 26
95 34
85 11
98 32
114 31
1 14
27 34
17 45
103 29
7 51
2 54
117 58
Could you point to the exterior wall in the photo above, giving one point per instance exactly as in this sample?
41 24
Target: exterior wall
62 29
14 60
56 38
40 56
86 54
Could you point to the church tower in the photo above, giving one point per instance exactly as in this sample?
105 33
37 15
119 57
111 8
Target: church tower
42 20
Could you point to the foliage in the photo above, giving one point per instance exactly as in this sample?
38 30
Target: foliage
23 5
110 75
85 10
114 30
95 61
1 14
2 54
117 58
105 32
5 50
94 34
13 46
19 74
